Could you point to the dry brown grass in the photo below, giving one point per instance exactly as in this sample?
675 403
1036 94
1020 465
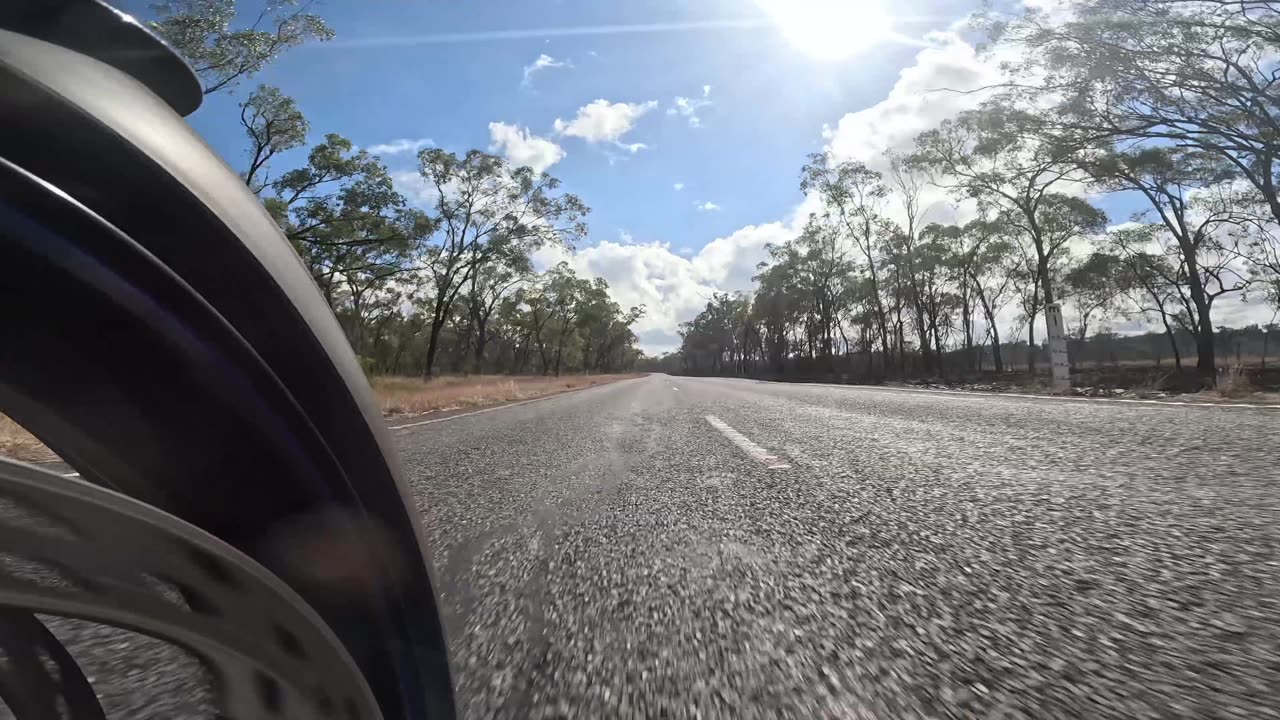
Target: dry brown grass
1188 360
396 395
1234 383
408 396
17 443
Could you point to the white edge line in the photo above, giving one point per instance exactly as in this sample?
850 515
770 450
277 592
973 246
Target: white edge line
510 405
753 451
1020 396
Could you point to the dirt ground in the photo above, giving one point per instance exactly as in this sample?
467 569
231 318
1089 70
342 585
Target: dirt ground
407 396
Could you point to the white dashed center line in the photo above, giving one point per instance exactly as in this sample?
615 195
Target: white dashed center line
751 449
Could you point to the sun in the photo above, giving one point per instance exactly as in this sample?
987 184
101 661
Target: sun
830 29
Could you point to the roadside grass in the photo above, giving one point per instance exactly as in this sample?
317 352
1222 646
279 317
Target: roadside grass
1234 383
396 396
18 444
412 396
1224 360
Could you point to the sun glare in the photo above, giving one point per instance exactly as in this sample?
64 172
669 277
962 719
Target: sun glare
830 29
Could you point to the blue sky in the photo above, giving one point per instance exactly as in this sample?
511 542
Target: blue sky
722 98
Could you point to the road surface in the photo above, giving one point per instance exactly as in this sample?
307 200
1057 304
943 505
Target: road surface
729 548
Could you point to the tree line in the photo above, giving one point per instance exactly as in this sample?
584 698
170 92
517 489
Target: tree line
1173 102
450 287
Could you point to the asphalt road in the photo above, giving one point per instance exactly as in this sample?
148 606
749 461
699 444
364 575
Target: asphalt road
832 552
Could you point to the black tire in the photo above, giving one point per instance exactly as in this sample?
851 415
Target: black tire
160 335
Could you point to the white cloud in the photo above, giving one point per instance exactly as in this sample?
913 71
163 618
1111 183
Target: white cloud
402 145
707 206
678 187
625 237
544 62
926 93
688 107
671 287
521 148
603 121
414 187
939 85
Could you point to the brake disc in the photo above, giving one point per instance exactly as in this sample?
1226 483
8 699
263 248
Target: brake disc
81 551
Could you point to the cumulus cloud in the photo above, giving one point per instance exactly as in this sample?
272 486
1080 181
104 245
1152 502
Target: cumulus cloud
414 187
938 85
678 187
544 62
400 146
520 147
602 121
672 288
688 107
707 206
930 90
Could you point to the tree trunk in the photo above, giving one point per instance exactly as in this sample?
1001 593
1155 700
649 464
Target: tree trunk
966 317
993 329
1042 269
1031 345
996 357
1206 352
395 359
882 321
922 330
902 347
433 344
1206 356
1173 342
482 339
542 355
937 348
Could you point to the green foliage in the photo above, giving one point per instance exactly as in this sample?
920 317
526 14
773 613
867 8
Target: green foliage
1176 101
273 124
487 212
408 284
1096 286
201 31
352 229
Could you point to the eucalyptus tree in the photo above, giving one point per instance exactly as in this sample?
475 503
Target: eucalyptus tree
484 209
221 51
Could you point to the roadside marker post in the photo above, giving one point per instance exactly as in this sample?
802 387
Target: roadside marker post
1058 348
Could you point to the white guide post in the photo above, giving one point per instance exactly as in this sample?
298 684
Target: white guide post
1058 348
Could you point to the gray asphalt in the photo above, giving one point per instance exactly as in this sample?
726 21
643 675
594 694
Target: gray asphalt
610 553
